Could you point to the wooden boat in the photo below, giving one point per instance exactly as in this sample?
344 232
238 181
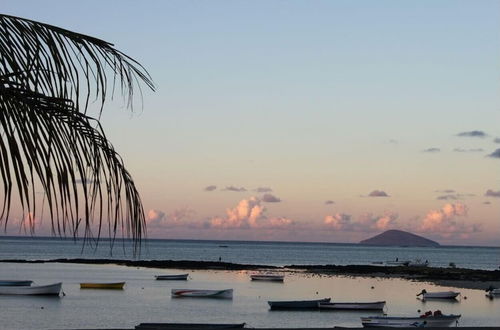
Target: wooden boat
297 304
377 305
409 322
267 277
48 290
226 293
189 326
15 283
102 285
438 295
175 277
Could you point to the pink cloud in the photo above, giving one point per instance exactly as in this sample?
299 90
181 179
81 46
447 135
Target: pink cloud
339 221
249 213
443 221
366 223
158 218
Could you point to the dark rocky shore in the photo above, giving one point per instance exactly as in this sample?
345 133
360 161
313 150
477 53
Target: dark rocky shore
457 277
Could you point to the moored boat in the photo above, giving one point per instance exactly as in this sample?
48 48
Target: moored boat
15 282
172 277
267 277
398 263
376 305
492 292
438 295
409 322
297 304
48 290
102 285
226 293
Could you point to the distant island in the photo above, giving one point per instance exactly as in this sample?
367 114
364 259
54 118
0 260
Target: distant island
399 238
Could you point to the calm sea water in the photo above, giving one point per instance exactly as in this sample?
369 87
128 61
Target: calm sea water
268 253
147 300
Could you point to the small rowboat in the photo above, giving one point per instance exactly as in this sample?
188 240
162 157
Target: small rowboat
179 277
377 305
438 295
226 293
113 286
492 292
297 304
409 322
189 326
15 283
267 277
48 290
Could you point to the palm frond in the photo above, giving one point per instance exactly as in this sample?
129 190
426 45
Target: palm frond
47 140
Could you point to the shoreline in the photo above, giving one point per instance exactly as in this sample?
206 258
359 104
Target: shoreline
455 277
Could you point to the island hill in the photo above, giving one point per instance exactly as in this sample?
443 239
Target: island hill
399 238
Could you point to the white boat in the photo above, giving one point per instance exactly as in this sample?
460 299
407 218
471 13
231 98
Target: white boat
438 295
297 304
398 263
376 305
226 293
267 277
52 289
409 322
492 292
176 277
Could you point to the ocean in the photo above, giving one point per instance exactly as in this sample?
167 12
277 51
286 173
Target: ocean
251 252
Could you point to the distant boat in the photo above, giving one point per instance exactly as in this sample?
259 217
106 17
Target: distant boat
418 263
438 295
377 305
178 277
189 326
397 263
101 285
492 292
297 304
226 293
267 277
15 283
409 322
48 290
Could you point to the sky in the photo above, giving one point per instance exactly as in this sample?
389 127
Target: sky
325 121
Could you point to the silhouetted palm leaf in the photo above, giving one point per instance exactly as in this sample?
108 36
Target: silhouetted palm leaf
48 142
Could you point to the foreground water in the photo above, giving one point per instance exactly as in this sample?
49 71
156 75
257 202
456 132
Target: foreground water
268 253
147 300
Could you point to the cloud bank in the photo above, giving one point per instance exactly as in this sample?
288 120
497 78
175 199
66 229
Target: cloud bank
479 134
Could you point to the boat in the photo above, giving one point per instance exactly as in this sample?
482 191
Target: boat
492 292
438 295
297 304
51 289
398 263
175 277
189 326
267 277
410 322
376 305
15 282
226 293
102 285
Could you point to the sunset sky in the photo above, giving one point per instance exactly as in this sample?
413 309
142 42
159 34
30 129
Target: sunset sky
306 120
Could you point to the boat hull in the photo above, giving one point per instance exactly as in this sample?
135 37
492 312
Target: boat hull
408 322
108 286
377 305
41 290
226 293
190 326
15 283
440 295
268 278
179 277
297 304
495 293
